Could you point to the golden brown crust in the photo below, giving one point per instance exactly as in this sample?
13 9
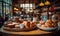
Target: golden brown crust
42 22
49 24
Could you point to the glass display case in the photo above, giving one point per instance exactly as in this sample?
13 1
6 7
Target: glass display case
8 1
0 8
5 8
10 10
0 0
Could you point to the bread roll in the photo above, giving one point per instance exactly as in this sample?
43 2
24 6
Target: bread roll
32 24
49 21
42 26
42 22
48 24
11 25
17 26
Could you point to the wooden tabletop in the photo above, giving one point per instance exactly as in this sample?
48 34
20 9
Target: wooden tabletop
33 32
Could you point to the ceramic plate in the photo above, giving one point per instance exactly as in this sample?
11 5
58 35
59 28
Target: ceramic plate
44 28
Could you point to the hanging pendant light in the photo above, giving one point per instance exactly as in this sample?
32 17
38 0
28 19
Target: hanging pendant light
41 4
47 3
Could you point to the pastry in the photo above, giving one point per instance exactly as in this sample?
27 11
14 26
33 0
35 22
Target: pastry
32 24
49 21
42 22
21 21
10 25
28 25
54 25
48 25
17 26
42 26
23 25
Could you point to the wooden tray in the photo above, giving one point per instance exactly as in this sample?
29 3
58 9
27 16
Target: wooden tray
18 29
33 32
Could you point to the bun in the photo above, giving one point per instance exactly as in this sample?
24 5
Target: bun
42 22
49 21
32 24
49 24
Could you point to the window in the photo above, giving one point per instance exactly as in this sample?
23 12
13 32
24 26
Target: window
8 1
0 0
27 7
7 10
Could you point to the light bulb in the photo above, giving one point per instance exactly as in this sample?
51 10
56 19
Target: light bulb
47 3
41 4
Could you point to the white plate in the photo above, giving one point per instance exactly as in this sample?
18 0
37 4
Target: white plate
58 25
48 29
44 28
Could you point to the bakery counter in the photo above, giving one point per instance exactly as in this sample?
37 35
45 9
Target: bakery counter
33 32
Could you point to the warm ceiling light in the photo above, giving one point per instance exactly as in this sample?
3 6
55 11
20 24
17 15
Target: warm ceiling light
14 8
47 3
41 4
31 10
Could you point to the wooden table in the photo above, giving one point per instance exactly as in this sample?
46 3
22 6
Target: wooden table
33 32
